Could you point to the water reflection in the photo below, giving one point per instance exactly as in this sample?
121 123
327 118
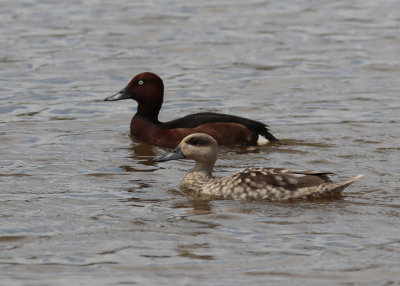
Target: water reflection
141 157
193 251
143 152
195 206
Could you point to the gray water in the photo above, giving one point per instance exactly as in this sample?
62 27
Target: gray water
83 204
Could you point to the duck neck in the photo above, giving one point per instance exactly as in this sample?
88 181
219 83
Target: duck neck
148 112
149 104
204 168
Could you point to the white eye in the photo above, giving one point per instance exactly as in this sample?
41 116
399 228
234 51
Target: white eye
140 82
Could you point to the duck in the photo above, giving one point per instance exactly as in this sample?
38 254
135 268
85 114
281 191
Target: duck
257 183
148 90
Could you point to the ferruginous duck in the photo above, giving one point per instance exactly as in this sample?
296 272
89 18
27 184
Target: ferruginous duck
148 90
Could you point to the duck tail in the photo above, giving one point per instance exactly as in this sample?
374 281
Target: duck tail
329 189
264 136
268 135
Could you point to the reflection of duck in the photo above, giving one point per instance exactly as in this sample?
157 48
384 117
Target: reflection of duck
273 184
143 153
148 90
141 157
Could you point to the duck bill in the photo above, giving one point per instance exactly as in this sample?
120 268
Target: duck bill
123 94
176 154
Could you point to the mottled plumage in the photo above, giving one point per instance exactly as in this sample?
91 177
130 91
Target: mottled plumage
274 184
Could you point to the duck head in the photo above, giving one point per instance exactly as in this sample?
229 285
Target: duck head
148 90
200 147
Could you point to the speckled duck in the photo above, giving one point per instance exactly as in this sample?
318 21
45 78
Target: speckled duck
274 184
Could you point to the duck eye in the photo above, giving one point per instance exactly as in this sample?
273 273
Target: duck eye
140 82
194 141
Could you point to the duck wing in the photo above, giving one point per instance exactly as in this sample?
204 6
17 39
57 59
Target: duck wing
283 178
281 184
197 119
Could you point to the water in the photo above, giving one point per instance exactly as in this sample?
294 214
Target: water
82 204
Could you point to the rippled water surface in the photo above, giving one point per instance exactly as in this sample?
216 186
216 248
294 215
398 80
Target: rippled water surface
83 204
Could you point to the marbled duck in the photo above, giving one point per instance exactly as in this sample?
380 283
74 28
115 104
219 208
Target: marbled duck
274 184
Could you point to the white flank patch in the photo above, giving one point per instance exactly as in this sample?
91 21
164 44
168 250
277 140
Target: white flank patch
262 140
